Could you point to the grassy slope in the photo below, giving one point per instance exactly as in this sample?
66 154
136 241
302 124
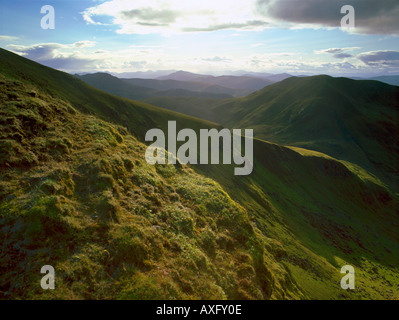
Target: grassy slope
196 107
352 120
309 214
77 193
326 213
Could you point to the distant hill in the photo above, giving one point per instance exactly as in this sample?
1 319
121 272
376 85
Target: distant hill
244 83
393 80
114 85
272 77
348 119
184 76
140 89
247 84
164 85
279 77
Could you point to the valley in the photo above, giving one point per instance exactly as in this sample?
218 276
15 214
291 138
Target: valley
76 191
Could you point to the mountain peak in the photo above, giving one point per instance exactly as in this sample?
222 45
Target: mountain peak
184 76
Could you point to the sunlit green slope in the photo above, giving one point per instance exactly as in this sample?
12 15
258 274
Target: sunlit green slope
76 193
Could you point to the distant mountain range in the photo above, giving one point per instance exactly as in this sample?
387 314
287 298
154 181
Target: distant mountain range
235 82
139 89
186 84
242 83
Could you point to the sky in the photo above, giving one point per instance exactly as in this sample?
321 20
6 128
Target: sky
206 36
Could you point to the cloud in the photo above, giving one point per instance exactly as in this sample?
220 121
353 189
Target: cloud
381 58
371 16
340 67
134 64
7 38
338 53
38 52
342 55
82 57
248 25
84 44
56 55
330 50
71 63
163 16
175 16
44 51
216 59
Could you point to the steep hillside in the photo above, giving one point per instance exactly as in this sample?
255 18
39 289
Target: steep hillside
326 213
347 119
76 193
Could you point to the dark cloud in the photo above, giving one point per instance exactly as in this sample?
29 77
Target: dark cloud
371 16
37 52
152 16
248 24
152 24
48 55
334 50
342 55
338 52
382 58
69 63
340 66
